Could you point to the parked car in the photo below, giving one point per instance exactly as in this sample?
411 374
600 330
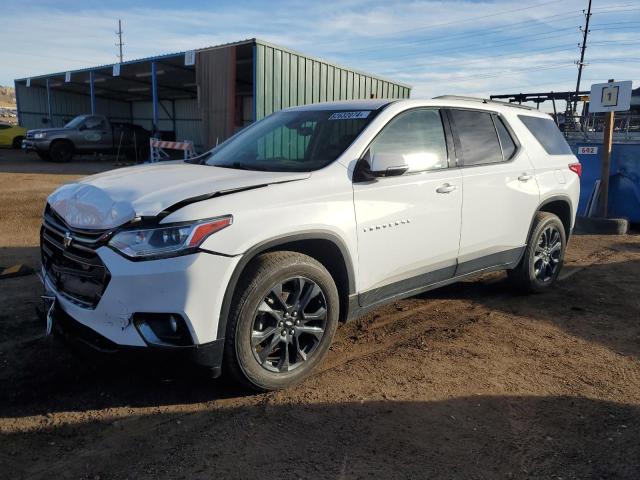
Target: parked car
248 257
11 135
88 134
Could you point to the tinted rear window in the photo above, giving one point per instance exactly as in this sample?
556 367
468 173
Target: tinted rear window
547 133
508 145
478 137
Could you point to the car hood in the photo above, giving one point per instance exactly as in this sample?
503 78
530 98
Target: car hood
110 199
49 131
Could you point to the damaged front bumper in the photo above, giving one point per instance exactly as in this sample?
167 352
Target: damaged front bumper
191 287
80 336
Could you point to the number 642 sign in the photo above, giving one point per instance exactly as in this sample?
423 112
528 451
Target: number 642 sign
587 150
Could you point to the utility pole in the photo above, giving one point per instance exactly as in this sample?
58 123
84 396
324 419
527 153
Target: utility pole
583 47
120 44
605 166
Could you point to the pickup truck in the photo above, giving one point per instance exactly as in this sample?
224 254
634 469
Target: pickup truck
88 134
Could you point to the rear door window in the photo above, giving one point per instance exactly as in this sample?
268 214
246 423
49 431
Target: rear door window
506 141
478 137
547 133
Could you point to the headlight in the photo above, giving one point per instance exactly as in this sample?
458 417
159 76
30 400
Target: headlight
169 240
40 135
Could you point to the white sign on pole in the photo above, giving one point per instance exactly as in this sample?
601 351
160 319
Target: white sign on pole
28 82
190 58
610 97
67 77
116 70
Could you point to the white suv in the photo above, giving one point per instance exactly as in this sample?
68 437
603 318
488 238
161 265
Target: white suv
247 258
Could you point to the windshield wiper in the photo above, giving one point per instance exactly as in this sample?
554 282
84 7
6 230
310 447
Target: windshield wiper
241 166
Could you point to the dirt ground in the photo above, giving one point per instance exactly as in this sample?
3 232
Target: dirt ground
471 381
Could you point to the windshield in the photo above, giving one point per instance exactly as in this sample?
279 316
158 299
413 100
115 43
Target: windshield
294 141
75 123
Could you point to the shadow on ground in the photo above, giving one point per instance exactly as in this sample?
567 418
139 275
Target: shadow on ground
599 303
474 437
16 161
39 375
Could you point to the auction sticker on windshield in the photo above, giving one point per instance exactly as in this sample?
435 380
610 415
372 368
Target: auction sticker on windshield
349 115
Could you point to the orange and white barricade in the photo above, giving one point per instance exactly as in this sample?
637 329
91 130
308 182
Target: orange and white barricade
158 147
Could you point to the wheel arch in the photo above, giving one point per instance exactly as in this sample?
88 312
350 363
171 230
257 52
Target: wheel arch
56 141
559 205
324 246
16 142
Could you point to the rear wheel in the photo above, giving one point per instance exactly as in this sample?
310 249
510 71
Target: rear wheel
544 255
61 152
17 143
283 320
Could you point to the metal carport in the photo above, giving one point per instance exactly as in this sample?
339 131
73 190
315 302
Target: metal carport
202 95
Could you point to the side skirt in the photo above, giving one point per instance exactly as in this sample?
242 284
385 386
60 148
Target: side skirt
360 304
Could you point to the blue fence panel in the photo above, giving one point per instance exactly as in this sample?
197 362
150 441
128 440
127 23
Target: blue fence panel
624 179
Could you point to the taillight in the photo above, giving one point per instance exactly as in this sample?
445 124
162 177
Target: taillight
576 167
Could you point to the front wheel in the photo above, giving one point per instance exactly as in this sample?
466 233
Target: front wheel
17 143
283 319
543 257
61 152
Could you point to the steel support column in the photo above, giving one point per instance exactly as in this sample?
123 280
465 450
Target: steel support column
18 111
254 74
154 93
92 93
49 104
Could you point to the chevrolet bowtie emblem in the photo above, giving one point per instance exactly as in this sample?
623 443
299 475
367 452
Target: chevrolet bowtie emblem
66 241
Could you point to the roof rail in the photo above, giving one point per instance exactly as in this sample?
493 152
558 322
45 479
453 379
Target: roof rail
482 100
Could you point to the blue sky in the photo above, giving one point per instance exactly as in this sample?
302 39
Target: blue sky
466 47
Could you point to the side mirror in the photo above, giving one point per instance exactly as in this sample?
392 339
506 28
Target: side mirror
387 164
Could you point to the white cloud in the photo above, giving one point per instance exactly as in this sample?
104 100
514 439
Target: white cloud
436 46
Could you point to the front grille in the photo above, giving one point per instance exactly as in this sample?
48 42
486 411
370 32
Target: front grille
29 135
76 270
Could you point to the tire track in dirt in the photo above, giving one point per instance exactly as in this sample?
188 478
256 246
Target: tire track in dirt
391 326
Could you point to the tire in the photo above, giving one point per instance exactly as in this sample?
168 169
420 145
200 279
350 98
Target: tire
602 226
262 343
17 143
61 152
543 257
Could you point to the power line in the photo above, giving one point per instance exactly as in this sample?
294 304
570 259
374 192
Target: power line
457 22
511 41
457 36
507 56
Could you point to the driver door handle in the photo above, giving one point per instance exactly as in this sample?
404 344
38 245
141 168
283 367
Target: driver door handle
525 177
446 188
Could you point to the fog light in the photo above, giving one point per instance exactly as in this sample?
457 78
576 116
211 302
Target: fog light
173 323
163 329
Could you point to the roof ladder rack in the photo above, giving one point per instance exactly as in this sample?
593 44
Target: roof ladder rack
481 100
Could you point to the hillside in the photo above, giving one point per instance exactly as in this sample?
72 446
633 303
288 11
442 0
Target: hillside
7 97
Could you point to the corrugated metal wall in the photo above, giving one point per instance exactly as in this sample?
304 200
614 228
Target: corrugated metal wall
188 124
273 79
285 79
64 106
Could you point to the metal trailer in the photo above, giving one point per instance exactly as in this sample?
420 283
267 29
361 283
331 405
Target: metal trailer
203 95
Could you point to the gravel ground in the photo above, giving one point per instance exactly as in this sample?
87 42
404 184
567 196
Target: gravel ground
470 381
